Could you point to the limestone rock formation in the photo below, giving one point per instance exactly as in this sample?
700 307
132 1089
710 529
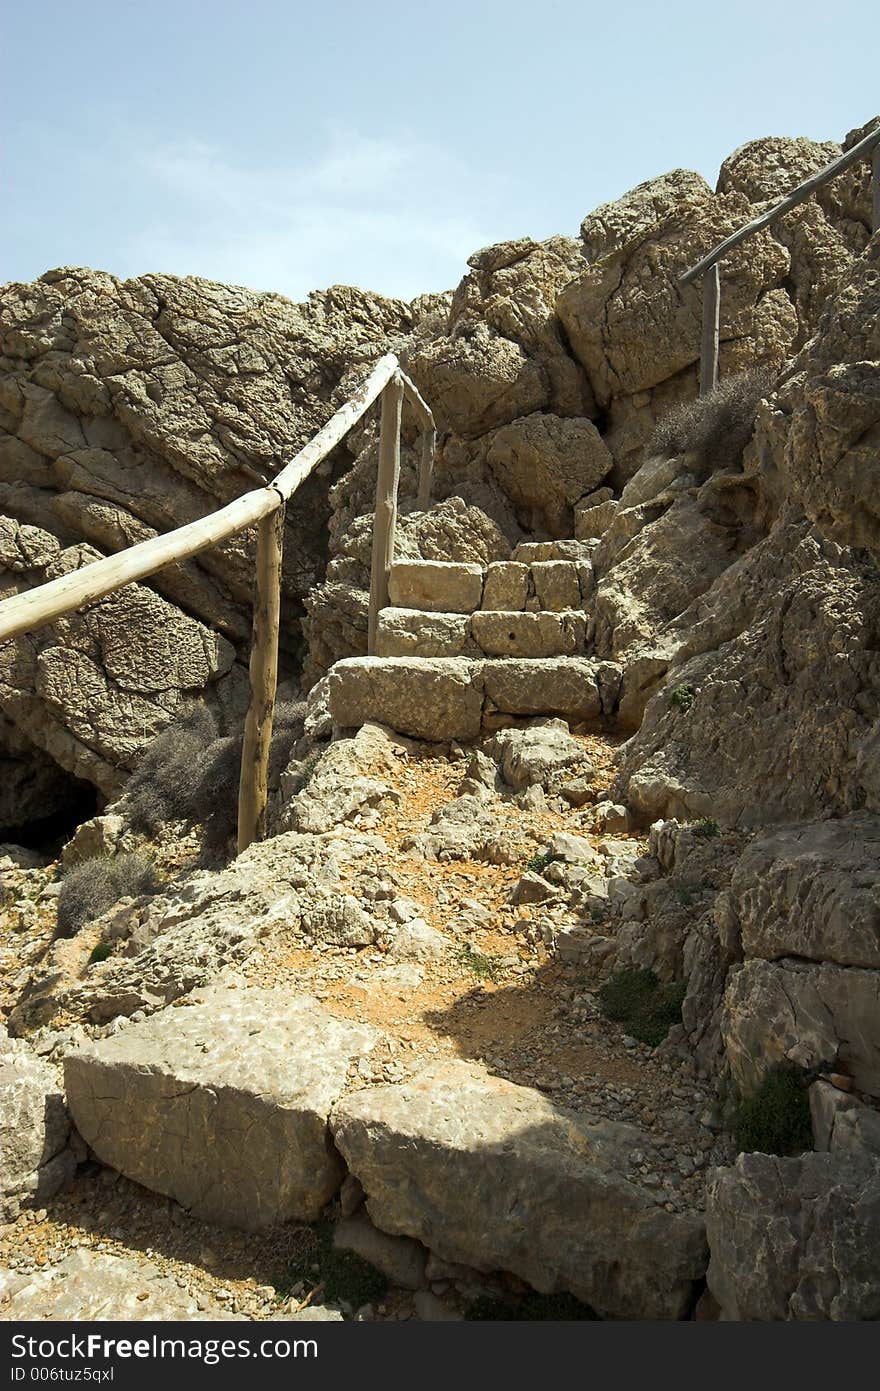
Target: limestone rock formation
782 645
127 409
34 1130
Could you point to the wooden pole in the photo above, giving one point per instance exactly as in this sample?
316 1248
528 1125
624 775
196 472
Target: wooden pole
417 403
426 468
327 438
709 347
875 170
253 788
385 522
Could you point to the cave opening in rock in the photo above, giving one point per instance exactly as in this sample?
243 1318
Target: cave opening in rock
41 804
49 832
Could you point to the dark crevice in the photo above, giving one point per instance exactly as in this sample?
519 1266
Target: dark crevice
49 833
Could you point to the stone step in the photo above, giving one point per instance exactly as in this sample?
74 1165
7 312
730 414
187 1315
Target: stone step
527 552
436 586
544 582
444 698
413 633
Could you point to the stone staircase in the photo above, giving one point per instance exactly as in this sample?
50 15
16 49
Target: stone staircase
465 649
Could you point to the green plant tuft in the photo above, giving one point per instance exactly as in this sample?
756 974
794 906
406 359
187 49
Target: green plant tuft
682 697
637 999
776 1118
531 1306
538 863
343 1276
708 828
100 952
484 965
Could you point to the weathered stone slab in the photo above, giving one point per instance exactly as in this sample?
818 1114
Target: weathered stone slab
88 1285
592 522
433 699
528 552
507 586
566 686
530 634
34 1128
556 584
413 633
494 1175
222 1104
812 891
437 586
795 1238
842 1123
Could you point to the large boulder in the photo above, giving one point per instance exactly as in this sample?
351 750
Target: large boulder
504 355
795 1238
91 689
545 464
545 754
812 891
223 1104
496 1176
630 322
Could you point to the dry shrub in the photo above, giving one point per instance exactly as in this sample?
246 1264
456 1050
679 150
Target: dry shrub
716 427
92 886
190 772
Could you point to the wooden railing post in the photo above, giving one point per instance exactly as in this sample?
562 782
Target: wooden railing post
426 468
253 787
711 317
385 523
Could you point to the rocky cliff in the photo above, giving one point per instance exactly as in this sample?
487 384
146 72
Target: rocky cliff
620 733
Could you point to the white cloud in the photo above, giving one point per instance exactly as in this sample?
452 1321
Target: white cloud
396 216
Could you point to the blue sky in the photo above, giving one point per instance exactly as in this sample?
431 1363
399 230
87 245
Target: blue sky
289 146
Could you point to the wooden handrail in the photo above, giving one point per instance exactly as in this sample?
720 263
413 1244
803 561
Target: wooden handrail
46 602
798 195
711 285
22 613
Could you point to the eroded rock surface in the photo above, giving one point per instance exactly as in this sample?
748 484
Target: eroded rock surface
495 1176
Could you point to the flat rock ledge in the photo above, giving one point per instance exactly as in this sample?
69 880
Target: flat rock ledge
493 1175
222 1103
